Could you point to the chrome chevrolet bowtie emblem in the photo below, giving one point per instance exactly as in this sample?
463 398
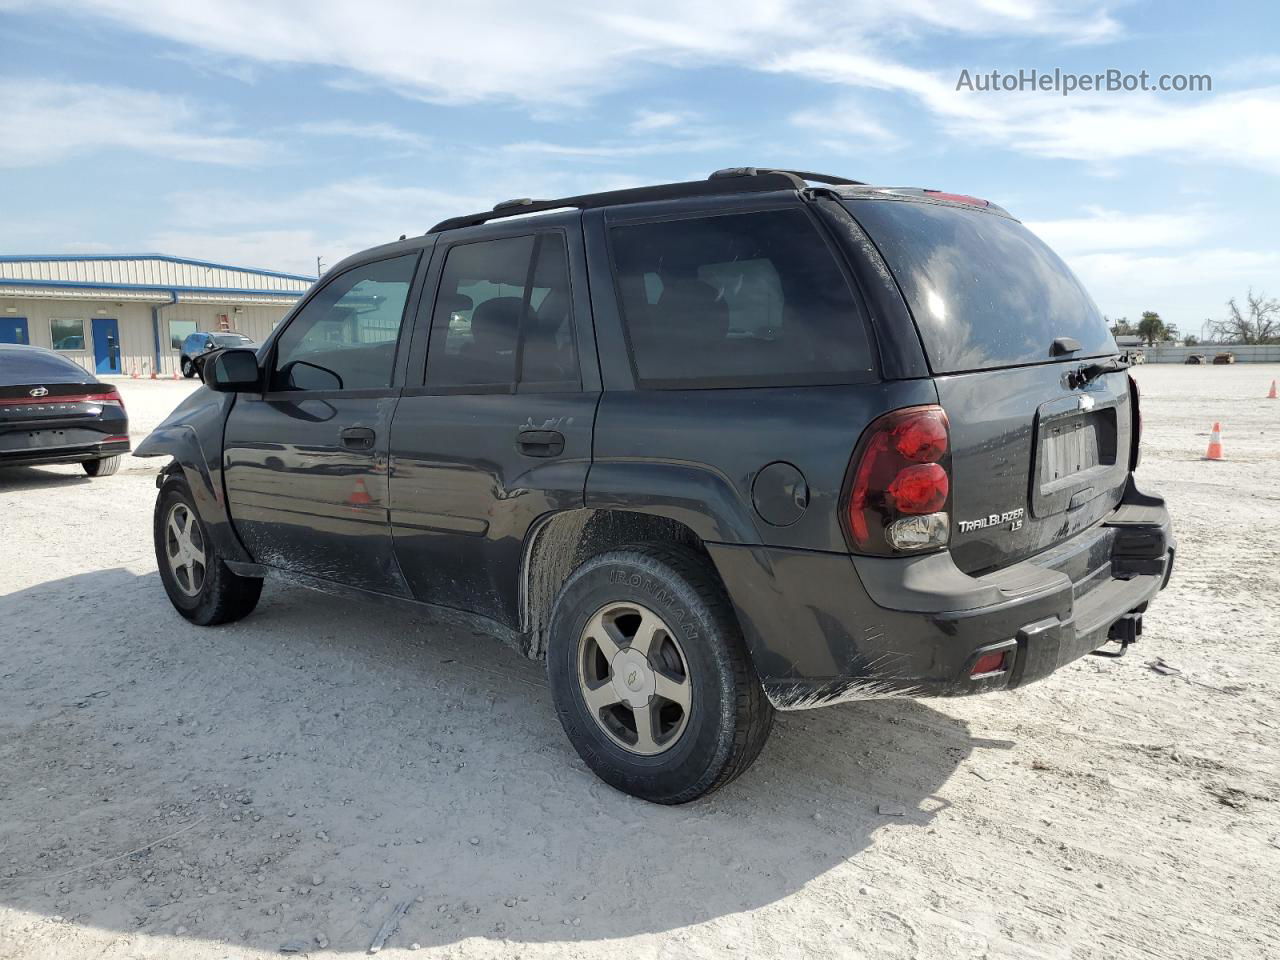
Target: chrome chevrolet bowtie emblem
40 392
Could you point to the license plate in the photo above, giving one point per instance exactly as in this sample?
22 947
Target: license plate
1068 447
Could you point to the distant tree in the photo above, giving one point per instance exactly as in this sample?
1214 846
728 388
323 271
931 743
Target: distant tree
1121 327
1170 334
1151 328
1258 322
1190 340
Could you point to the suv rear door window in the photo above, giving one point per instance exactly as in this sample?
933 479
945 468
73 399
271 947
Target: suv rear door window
745 299
504 316
984 290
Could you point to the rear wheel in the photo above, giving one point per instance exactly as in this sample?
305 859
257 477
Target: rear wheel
651 678
101 468
200 586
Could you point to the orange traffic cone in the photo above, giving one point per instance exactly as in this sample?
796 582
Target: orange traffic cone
175 374
359 496
135 375
1215 443
1271 394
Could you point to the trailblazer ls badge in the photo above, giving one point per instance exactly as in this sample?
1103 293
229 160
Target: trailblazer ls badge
1011 517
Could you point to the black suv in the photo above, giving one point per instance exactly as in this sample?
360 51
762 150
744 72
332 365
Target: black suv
771 440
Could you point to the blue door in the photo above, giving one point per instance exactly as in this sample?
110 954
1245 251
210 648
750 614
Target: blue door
106 345
13 330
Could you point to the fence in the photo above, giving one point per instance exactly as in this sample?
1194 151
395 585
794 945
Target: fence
1245 353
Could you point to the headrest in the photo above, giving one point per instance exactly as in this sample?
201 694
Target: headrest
496 319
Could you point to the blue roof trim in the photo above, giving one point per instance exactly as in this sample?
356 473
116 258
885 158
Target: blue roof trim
292 294
46 257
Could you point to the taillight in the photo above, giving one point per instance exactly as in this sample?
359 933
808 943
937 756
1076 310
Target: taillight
1135 449
900 484
109 397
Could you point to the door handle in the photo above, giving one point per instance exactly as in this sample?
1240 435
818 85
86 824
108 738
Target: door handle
358 438
540 443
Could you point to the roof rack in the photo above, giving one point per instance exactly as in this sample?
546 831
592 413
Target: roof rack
729 180
826 178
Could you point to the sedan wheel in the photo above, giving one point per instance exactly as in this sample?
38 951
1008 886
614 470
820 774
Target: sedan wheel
184 548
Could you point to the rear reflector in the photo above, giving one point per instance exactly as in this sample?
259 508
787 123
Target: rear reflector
989 663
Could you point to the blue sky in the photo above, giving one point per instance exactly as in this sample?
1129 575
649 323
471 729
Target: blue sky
270 133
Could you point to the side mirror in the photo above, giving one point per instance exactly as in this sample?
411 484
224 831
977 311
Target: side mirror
301 375
232 371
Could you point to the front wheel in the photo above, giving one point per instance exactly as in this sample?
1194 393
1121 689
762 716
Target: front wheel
188 368
650 675
200 586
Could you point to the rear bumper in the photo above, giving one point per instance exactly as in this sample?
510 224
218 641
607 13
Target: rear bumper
66 440
825 628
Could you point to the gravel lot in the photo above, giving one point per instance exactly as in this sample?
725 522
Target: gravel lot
176 792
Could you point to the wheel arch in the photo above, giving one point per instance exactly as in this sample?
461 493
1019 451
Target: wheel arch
560 543
188 461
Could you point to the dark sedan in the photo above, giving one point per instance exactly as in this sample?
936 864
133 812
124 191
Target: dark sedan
53 411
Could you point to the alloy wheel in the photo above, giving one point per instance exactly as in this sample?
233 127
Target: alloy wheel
184 547
634 678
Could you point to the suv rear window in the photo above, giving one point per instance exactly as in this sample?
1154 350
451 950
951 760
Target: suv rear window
744 299
984 290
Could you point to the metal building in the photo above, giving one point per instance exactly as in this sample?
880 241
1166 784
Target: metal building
121 315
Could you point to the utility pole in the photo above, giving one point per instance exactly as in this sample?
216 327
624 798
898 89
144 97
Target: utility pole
319 268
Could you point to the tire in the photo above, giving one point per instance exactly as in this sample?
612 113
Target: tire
701 660
102 468
205 594
188 368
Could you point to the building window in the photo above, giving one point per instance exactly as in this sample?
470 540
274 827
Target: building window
179 330
67 334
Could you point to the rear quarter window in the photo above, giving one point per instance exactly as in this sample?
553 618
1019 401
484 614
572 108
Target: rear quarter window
737 299
984 290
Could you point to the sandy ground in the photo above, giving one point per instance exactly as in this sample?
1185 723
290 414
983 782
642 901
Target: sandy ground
175 792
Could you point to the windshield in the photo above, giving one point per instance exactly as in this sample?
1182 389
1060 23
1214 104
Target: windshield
230 339
984 290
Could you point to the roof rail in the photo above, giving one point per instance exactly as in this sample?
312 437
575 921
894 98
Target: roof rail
826 178
736 180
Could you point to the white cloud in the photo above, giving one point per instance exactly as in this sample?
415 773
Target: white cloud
1104 230
649 121
45 122
559 49
1242 128
612 150
287 231
1184 287
385 132
847 126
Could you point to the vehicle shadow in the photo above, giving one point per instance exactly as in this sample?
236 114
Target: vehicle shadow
14 479
291 778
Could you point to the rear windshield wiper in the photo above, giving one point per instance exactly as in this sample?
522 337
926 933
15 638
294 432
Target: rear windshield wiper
1091 371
